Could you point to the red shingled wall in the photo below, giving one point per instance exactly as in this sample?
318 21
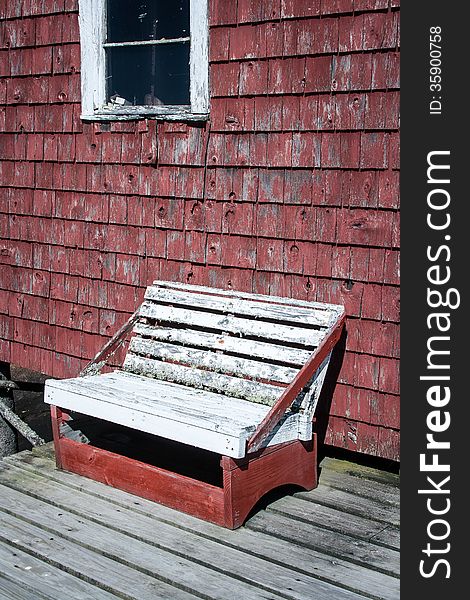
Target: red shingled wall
291 189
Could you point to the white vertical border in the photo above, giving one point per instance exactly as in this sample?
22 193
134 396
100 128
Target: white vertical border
199 56
92 17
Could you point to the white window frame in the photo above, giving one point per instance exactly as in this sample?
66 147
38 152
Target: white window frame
92 20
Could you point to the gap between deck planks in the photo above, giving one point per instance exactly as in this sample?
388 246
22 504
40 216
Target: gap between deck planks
262 560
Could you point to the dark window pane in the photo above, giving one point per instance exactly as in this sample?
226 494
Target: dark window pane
149 75
134 20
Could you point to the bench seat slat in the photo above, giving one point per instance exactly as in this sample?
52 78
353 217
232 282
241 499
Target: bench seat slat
216 382
214 361
164 398
161 408
185 415
213 341
241 307
322 306
271 331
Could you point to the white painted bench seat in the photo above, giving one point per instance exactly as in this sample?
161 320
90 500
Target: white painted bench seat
192 416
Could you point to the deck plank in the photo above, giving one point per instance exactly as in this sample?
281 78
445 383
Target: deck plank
362 506
338 545
361 486
103 572
319 544
339 521
9 590
360 471
147 557
36 579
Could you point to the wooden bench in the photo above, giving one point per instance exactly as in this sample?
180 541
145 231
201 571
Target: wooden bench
231 373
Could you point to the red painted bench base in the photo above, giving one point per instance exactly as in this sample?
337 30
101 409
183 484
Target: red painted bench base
245 481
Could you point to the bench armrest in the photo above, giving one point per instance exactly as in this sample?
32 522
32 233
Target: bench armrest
95 365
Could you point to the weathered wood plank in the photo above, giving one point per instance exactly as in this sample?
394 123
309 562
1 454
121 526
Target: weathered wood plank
236 294
351 503
361 487
105 573
313 391
9 415
203 435
221 571
235 387
127 550
36 579
100 359
227 323
260 309
291 553
132 115
365 528
360 471
9 590
346 547
199 73
214 361
389 536
202 339
184 404
182 414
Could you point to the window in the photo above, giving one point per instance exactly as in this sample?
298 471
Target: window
144 58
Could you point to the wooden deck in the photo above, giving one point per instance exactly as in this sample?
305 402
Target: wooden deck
61 534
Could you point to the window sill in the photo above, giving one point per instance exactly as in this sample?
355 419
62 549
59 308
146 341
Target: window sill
134 113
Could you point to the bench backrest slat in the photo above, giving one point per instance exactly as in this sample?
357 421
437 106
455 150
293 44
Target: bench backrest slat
226 322
323 306
241 307
276 353
207 359
206 380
